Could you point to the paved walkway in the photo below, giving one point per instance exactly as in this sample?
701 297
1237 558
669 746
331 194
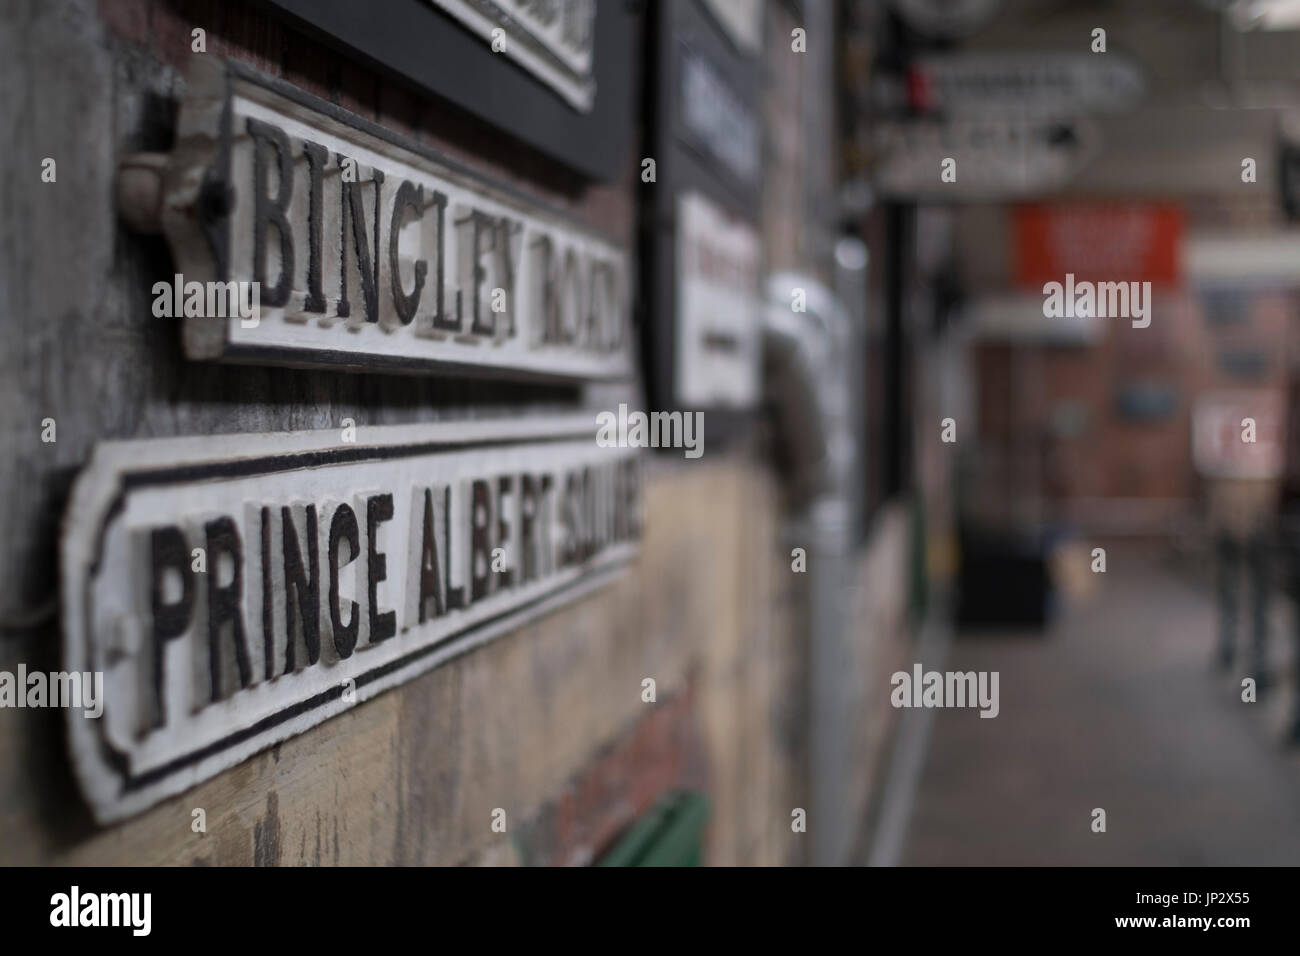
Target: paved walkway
1115 707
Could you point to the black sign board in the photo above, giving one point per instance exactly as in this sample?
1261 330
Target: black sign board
535 87
702 255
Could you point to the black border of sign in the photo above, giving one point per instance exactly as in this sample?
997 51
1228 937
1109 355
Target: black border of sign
267 464
685 166
429 50
277 356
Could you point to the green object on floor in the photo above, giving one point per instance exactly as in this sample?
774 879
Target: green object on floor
670 834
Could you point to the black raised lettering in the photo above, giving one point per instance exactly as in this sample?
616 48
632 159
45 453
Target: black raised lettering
379 508
482 225
354 211
480 540
442 320
409 196
506 248
317 156
225 606
343 527
271 212
301 590
505 486
528 537
168 553
430 577
455 596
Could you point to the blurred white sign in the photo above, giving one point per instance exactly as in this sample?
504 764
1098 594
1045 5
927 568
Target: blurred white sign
717 306
1020 318
1223 426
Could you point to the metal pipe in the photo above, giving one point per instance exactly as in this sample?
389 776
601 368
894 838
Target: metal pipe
813 362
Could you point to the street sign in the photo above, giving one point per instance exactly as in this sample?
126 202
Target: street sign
717 119
236 590
369 251
992 158
1047 85
701 267
1097 242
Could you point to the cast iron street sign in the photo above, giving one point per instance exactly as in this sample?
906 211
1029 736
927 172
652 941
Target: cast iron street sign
371 251
237 590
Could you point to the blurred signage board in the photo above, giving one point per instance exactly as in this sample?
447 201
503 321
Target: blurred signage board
371 252
552 39
702 261
946 18
237 590
1021 318
1224 266
1220 448
995 157
557 75
718 347
718 119
1049 85
1097 242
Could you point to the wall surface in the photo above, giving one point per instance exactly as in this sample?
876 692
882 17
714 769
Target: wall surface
548 722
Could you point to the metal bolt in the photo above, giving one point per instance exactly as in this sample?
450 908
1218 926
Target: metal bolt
140 190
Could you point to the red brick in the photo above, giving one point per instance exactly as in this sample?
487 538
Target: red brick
398 109
354 88
250 36
654 756
170 38
127 20
304 64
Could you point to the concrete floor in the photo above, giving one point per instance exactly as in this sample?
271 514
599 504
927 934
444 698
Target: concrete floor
1115 707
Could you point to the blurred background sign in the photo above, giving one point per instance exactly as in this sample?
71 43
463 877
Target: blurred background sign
702 258
1218 448
1020 318
718 120
995 157
1024 84
717 306
1113 241
946 18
